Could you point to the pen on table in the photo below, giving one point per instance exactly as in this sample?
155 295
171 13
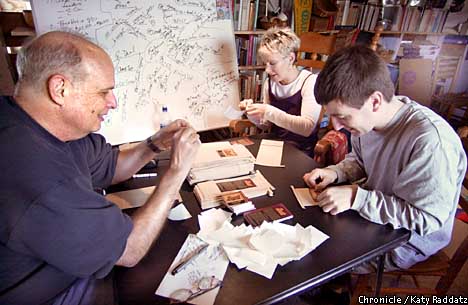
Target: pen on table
185 260
147 175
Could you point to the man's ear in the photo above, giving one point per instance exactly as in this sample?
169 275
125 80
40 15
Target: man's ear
376 99
57 87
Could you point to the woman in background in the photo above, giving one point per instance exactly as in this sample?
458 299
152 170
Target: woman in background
289 105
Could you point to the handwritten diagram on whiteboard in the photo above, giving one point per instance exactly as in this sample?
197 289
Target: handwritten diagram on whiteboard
178 53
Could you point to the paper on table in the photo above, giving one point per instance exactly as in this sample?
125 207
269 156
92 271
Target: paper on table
134 198
212 262
304 197
179 212
270 153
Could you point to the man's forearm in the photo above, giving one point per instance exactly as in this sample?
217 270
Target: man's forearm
132 160
149 220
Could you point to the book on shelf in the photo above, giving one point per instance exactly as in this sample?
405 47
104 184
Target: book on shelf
251 49
273 213
354 13
246 15
252 16
235 14
302 15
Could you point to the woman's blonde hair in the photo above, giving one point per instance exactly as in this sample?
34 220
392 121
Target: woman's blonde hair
282 40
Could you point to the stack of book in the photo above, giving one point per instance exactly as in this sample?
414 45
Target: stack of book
273 213
221 160
237 202
210 193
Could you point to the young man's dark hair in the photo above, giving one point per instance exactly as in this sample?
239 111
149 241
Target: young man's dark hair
351 75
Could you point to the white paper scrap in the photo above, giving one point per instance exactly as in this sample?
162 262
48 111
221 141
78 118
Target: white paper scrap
268 241
179 212
266 270
233 114
212 219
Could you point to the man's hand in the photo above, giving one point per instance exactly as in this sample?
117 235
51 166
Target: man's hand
163 138
337 199
320 178
185 145
257 111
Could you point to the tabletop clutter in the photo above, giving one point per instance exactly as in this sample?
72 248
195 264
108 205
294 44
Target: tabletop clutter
224 176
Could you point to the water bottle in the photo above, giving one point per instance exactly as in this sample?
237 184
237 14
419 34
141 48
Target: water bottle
325 121
165 118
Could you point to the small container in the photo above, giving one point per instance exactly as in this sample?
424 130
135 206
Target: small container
165 118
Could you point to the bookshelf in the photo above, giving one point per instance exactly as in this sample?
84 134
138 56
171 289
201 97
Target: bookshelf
427 17
246 47
251 70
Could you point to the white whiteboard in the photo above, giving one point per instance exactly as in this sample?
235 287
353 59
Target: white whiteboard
179 53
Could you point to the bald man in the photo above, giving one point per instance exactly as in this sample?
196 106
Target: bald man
59 240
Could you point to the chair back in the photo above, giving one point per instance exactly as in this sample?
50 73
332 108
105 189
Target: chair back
316 45
242 128
453 107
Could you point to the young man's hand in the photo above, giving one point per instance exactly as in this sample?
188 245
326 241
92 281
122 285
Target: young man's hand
320 178
337 199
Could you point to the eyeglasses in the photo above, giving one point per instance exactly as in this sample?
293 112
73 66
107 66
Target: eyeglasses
203 285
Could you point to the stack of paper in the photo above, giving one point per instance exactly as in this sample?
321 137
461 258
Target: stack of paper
220 160
237 202
241 208
209 193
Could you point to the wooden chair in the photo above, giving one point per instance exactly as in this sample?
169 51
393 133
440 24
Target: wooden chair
452 107
317 45
375 39
242 128
438 265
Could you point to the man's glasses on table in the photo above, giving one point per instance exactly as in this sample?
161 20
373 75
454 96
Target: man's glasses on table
203 285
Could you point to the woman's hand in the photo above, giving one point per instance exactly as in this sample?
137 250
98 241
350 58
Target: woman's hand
257 111
245 103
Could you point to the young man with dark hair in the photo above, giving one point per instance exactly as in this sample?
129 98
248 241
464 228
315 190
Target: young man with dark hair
410 159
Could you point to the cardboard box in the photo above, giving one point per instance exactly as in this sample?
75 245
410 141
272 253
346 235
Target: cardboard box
416 80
